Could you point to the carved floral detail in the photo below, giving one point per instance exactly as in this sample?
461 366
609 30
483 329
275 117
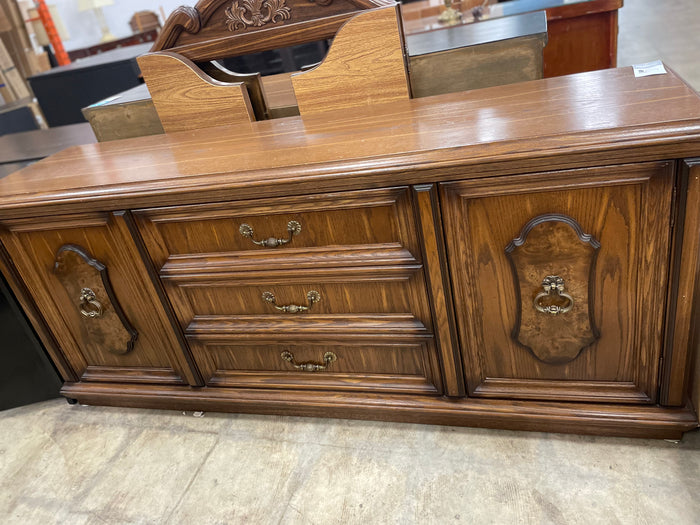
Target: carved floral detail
256 13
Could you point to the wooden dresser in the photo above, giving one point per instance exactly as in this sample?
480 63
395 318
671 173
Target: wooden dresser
523 256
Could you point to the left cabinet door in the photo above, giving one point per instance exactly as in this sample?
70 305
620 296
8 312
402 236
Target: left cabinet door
90 284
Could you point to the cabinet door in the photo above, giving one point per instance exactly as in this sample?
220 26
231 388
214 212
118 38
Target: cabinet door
86 277
560 281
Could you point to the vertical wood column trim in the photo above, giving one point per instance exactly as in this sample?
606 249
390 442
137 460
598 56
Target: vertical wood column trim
194 376
35 318
428 217
683 316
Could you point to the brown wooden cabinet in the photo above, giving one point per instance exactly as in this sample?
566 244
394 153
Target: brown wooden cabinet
91 287
520 257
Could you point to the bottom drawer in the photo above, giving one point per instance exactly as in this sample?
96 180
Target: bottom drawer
406 367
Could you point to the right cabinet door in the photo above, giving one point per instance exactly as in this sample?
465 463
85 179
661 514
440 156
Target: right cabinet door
560 281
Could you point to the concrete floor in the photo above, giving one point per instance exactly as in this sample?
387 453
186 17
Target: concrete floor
78 465
661 29
89 465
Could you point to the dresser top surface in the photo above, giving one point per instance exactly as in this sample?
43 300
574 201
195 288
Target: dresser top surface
554 123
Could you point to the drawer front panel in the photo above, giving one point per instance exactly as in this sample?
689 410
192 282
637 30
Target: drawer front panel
281 299
372 217
360 365
94 292
560 291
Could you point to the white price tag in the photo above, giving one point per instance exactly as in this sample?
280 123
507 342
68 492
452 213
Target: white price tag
650 68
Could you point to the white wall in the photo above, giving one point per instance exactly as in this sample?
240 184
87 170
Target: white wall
84 29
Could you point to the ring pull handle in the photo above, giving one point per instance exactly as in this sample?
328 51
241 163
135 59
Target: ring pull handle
312 296
293 228
90 307
553 286
328 358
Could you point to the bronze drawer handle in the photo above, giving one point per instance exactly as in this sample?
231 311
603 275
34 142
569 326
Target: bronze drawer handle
89 305
293 228
328 358
312 296
554 285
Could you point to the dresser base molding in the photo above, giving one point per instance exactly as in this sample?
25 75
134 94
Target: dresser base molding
574 418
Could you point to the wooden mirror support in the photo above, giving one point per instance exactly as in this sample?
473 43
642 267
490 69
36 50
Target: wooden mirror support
187 98
366 64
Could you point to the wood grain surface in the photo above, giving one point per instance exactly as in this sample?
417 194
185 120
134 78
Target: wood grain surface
365 65
627 209
356 249
33 246
213 29
683 325
415 285
598 118
186 98
580 418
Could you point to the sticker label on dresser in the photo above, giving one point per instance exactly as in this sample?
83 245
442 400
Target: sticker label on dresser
649 68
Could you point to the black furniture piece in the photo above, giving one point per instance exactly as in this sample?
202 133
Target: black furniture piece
63 91
26 374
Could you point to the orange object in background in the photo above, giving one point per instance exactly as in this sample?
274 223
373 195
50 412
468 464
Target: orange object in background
54 39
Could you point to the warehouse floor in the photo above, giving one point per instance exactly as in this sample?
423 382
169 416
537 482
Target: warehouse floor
77 465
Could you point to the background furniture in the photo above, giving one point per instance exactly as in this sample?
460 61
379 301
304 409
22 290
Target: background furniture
63 91
472 56
41 143
140 37
582 34
377 263
26 374
17 116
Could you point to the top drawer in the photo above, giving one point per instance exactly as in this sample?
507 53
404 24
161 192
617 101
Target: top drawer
369 217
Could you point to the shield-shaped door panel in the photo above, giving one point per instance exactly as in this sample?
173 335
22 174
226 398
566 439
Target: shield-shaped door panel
553 262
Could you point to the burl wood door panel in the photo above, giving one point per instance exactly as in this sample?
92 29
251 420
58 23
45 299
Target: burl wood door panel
87 279
560 281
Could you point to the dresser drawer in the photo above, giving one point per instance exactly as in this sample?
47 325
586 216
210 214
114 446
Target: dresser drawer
273 228
393 353
295 299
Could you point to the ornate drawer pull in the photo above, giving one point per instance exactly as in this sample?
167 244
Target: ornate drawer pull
293 228
328 358
89 305
312 296
553 285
